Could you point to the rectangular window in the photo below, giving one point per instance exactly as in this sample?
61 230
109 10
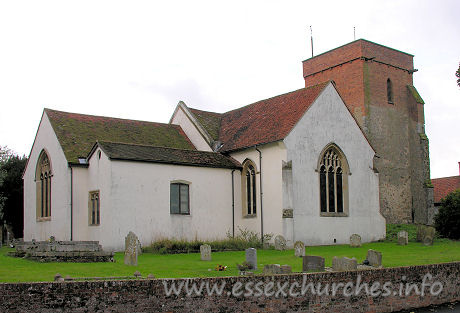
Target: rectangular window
179 198
94 207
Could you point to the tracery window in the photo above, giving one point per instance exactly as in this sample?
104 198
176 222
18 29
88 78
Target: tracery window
248 177
94 208
333 182
43 177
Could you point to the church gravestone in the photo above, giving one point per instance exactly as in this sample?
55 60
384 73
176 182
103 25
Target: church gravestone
374 258
251 258
299 249
312 263
403 238
344 264
355 240
280 243
131 249
205 251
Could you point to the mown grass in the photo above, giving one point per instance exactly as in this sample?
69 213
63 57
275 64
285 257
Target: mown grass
189 265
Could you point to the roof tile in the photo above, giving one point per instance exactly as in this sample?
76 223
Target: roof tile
443 186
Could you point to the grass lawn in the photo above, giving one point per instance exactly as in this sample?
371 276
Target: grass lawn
189 265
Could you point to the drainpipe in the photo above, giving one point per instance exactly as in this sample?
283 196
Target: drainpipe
71 203
233 205
261 197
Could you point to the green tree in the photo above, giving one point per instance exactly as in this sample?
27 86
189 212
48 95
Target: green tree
457 73
447 221
11 190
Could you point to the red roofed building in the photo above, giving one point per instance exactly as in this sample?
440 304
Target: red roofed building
445 185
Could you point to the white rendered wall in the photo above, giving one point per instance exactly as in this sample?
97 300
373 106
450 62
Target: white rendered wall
326 121
59 224
139 202
180 118
272 158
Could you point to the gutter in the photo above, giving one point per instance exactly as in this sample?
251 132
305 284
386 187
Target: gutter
233 205
261 197
71 202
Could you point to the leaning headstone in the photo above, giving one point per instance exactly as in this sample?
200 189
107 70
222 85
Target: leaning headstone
299 249
131 249
251 258
374 258
403 238
344 264
280 243
312 263
425 231
205 251
355 240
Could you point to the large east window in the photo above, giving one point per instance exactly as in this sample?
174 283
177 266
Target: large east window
43 177
333 183
179 198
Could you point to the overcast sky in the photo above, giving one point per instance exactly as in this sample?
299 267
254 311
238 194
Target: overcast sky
137 59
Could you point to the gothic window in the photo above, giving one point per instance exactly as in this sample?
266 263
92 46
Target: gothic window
43 177
94 207
389 91
179 198
333 183
248 182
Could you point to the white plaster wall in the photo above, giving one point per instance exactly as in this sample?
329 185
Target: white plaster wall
139 202
180 118
59 225
326 121
272 158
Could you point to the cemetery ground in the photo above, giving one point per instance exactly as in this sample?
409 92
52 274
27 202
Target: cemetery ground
189 265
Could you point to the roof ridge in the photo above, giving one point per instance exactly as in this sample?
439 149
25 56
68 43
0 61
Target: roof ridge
109 117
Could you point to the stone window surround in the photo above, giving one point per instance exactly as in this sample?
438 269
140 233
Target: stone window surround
244 200
345 173
43 173
91 201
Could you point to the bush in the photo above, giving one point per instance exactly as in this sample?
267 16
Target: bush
447 221
245 239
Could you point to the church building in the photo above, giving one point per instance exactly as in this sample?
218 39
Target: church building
318 164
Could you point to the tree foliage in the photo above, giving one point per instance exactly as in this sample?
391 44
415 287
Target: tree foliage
457 73
447 221
11 190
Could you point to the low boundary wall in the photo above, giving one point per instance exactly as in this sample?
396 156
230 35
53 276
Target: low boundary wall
386 292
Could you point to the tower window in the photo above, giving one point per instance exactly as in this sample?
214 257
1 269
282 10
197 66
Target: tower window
389 91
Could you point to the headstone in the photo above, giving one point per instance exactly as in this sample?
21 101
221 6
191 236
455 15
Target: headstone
299 249
344 264
312 263
425 231
428 241
403 238
271 269
286 269
205 251
374 258
131 249
355 240
58 277
280 243
150 276
251 258
137 274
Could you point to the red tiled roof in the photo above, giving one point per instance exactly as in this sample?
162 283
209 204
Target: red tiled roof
77 133
266 121
443 186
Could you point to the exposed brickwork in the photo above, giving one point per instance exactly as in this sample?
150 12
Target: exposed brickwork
149 295
396 130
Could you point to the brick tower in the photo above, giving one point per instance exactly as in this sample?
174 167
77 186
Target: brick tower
376 84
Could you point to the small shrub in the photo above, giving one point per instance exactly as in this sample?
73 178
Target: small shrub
447 221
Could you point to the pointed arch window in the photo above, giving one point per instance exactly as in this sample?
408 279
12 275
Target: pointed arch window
43 178
249 192
333 184
389 91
